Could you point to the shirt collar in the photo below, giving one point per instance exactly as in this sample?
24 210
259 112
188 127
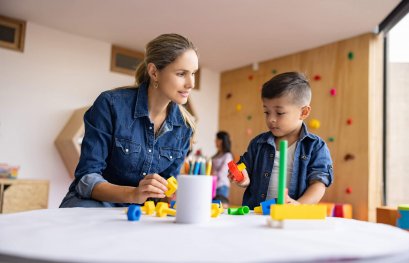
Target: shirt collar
268 137
141 107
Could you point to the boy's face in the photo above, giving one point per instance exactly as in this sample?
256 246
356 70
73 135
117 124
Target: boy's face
283 117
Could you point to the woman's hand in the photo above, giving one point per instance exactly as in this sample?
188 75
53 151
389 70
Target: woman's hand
153 185
244 183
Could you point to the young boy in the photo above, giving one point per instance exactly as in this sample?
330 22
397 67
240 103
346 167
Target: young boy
286 102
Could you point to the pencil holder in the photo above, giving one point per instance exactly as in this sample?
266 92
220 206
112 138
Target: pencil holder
193 199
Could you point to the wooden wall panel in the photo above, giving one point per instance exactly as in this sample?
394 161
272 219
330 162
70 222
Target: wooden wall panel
353 82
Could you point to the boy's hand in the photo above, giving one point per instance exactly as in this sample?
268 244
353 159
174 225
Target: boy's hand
244 183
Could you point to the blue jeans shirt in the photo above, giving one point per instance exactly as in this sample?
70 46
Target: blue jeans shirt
312 162
120 146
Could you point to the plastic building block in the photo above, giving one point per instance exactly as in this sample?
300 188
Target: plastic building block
235 170
349 121
216 210
403 217
290 211
386 215
348 190
148 207
173 204
333 92
134 213
239 211
219 202
172 186
162 210
265 206
351 55
317 77
349 157
258 210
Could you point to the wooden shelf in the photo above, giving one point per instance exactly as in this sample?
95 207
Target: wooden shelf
18 195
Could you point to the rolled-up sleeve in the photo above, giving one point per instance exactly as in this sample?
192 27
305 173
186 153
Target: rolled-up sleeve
87 183
320 168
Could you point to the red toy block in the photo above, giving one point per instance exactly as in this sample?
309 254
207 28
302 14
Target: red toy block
234 170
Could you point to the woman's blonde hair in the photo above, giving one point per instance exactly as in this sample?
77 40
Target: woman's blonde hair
162 51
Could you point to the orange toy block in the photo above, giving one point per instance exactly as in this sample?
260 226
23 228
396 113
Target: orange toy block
162 210
172 186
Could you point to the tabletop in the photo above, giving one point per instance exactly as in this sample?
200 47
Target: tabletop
105 235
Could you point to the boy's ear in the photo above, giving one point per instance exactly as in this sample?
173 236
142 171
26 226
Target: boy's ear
152 71
305 112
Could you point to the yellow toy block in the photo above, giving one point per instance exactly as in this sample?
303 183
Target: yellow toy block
162 210
172 186
241 167
290 211
148 207
216 210
258 210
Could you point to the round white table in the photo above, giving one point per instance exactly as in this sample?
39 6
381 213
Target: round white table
105 235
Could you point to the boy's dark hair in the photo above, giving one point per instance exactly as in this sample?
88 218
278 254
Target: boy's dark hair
290 83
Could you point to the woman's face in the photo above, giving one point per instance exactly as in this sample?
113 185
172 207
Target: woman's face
178 78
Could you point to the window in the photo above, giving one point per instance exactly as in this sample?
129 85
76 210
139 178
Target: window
396 96
12 33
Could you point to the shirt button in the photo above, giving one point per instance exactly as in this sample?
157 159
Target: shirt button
126 150
149 150
150 127
266 174
144 173
170 157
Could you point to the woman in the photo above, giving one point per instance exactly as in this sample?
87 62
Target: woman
137 137
220 167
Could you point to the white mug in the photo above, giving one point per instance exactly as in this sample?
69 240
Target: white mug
193 199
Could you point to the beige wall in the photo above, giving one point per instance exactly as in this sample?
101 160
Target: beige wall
358 83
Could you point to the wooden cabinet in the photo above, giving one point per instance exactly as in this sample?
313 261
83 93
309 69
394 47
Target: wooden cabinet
18 195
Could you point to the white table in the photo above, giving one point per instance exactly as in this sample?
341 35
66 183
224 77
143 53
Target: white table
105 235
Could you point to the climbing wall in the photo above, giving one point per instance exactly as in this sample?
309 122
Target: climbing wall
346 82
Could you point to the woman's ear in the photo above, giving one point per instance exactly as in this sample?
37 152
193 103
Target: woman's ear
153 72
305 112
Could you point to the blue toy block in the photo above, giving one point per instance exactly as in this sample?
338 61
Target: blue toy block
134 212
265 206
403 219
172 203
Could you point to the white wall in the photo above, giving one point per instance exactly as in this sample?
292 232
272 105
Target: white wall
58 73
206 104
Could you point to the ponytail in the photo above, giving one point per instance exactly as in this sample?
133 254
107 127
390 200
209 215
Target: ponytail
141 74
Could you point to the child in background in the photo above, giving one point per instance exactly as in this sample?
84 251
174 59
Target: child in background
286 101
219 165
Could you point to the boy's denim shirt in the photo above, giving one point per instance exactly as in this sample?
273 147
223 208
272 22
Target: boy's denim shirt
119 145
312 162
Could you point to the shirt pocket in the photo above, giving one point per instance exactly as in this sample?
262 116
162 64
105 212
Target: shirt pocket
126 154
167 156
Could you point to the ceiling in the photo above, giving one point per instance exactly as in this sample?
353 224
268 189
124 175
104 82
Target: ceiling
228 33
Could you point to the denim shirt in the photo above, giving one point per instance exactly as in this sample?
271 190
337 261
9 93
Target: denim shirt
120 146
312 162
